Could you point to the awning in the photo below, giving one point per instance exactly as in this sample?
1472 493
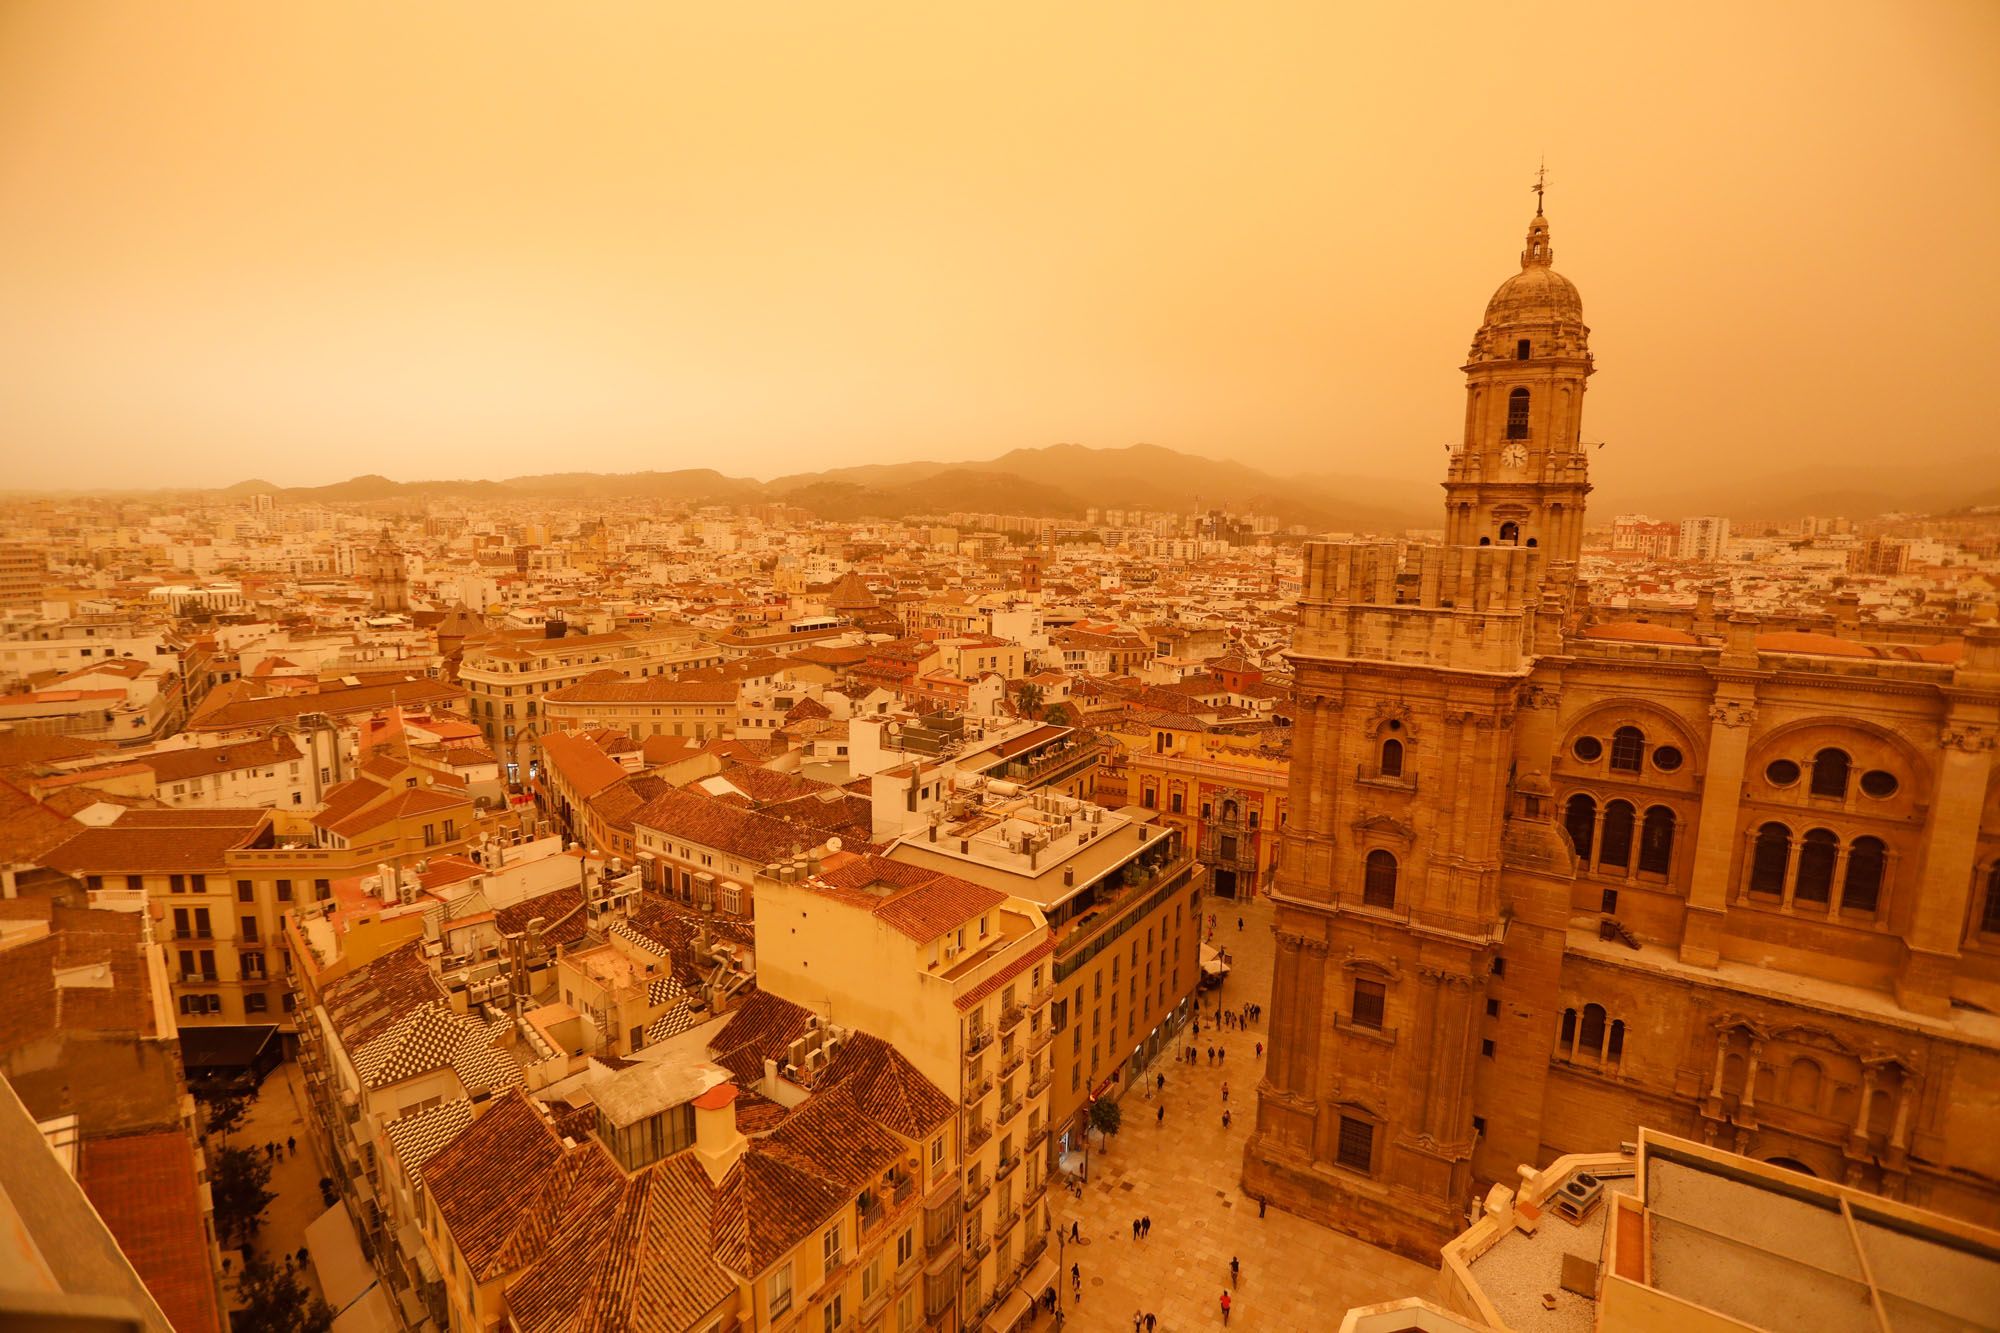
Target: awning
344 1272
1009 1312
1041 1277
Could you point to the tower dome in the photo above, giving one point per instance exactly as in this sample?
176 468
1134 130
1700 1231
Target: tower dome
1538 306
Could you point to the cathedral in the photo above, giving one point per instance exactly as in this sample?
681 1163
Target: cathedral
1551 875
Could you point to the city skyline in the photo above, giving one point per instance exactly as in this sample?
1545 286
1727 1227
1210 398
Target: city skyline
245 244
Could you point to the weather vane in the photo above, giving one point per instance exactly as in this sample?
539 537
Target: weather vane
1541 183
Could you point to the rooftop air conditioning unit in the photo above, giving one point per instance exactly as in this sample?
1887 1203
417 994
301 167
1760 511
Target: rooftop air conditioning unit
1578 1197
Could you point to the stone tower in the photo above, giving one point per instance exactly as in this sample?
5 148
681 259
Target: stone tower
1519 477
1407 971
387 579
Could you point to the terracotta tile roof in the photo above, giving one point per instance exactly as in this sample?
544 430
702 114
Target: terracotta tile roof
490 1177
887 1088
233 712
30 830
696 818
421 1135
1006 974
584 767
203 761
144 1187
141 842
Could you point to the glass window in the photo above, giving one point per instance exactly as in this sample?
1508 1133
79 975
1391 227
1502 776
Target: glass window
1628 747
1861 891
1771 859
1378 883
1357 1144
1829 773
1369 1002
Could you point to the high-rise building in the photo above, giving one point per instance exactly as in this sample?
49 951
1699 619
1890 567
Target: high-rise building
1549 875
1702 538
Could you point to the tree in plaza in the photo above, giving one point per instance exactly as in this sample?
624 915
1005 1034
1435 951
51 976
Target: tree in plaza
1028 699
237 1180
274 1301
1105 1116
223 1112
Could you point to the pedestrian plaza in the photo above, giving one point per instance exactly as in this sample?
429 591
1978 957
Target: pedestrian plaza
1182 1171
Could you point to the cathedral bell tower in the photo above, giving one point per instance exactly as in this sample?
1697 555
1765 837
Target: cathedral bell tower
1519 477
1415 867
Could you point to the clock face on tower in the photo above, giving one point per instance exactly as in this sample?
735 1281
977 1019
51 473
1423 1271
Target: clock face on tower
1514 455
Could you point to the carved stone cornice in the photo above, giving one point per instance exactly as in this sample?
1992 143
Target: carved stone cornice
1539 697
1444 976
1303 943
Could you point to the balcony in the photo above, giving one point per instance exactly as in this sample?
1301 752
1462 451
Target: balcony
1005 1221
976 1194
1039 1041
1014 1062
976 1137
975 1093
980 1245
1011 1016
1009 1110
1041 996
1041 1083
978 1041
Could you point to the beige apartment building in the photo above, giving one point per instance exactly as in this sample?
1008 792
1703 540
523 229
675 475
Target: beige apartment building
508 679
699 710
958 978
218 882
1226 795
1121 898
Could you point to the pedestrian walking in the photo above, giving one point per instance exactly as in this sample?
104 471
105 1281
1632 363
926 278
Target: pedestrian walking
1149 1322
1072 1233
1225 1309
1211 1055
1160 1118
1160 1084
1146 1225
292 1145
1239 923
1225 1117
1232 1270
1225 1090
1260 1050
1138 1321
1221 1054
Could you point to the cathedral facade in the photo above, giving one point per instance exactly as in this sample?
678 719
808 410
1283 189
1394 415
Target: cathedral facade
1550 876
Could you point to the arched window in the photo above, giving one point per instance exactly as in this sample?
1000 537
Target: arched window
1568 1029
1817 854
1392 758
1616 849
1580 821
1656 841
1802 1088
1771 859
1615 1048
1517 415
1378 882
1829 773
1628 747
1510 534
1862 889
1590 1034
1989 915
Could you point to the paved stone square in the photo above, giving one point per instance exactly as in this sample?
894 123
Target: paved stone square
276 1114
1183 1171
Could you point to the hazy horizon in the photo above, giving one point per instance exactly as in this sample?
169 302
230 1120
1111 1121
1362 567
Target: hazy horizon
297 245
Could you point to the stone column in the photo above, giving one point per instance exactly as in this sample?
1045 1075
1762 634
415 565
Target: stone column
1950 853
1731 718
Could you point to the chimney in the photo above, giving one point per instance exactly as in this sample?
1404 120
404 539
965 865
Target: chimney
717 1142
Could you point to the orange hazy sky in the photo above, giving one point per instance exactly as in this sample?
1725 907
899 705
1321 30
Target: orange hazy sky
304 241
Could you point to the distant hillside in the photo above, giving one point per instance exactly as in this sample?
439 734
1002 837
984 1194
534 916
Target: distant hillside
1064 480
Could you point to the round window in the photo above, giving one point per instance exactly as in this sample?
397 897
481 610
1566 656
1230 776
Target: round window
1781 772
1588 748
1879 784
1666 758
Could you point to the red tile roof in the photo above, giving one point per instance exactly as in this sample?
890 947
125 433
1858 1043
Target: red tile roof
144 1187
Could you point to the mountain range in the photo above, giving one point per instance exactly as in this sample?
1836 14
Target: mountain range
1065 480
